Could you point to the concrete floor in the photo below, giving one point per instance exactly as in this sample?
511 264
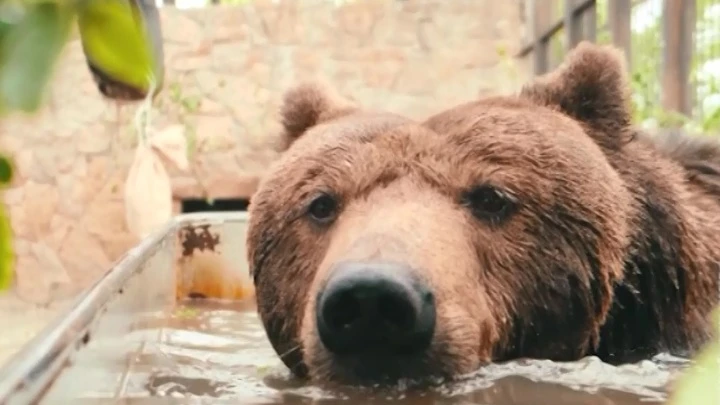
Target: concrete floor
21 321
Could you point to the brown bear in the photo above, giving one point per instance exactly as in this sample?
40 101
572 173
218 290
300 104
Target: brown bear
539 225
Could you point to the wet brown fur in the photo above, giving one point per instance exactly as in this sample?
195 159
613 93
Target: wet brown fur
612 251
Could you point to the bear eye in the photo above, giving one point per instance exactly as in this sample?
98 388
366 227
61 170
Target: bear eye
323 208
489 203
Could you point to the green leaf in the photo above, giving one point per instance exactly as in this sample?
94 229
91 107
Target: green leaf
699 385
6 170
7 257
29 48
122 42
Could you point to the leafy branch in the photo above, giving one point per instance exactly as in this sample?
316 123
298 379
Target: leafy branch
122 43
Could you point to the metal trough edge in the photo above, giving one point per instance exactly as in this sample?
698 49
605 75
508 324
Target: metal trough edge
27 375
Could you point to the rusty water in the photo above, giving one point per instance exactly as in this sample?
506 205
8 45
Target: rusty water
136 338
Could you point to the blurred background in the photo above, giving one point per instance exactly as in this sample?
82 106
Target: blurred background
228 63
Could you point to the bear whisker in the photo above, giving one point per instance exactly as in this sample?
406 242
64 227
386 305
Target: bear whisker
289 352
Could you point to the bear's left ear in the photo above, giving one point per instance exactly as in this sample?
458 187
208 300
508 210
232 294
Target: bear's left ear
592 87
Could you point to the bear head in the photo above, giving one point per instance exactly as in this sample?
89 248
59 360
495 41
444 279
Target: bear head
384 248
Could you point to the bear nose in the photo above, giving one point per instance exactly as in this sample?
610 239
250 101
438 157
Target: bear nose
375 307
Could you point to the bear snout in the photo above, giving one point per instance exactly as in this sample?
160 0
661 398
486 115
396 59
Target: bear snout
375 308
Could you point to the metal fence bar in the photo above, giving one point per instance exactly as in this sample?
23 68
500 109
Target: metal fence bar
541 17
678 21
589 17
546 34
573 26
619 17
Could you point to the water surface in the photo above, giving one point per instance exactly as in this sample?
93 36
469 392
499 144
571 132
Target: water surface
207 352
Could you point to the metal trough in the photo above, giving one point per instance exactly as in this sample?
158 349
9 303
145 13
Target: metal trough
194 254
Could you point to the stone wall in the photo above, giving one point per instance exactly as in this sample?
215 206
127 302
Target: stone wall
226 70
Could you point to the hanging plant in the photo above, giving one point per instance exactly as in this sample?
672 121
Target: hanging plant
148 192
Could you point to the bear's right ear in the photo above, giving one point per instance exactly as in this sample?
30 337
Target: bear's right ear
309 104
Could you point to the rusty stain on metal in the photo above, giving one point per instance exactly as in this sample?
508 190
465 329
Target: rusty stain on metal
203 271
197 237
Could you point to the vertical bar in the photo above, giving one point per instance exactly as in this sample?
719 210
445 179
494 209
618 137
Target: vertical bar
541 12
619 13
572 25
678 19
688 51
590 21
